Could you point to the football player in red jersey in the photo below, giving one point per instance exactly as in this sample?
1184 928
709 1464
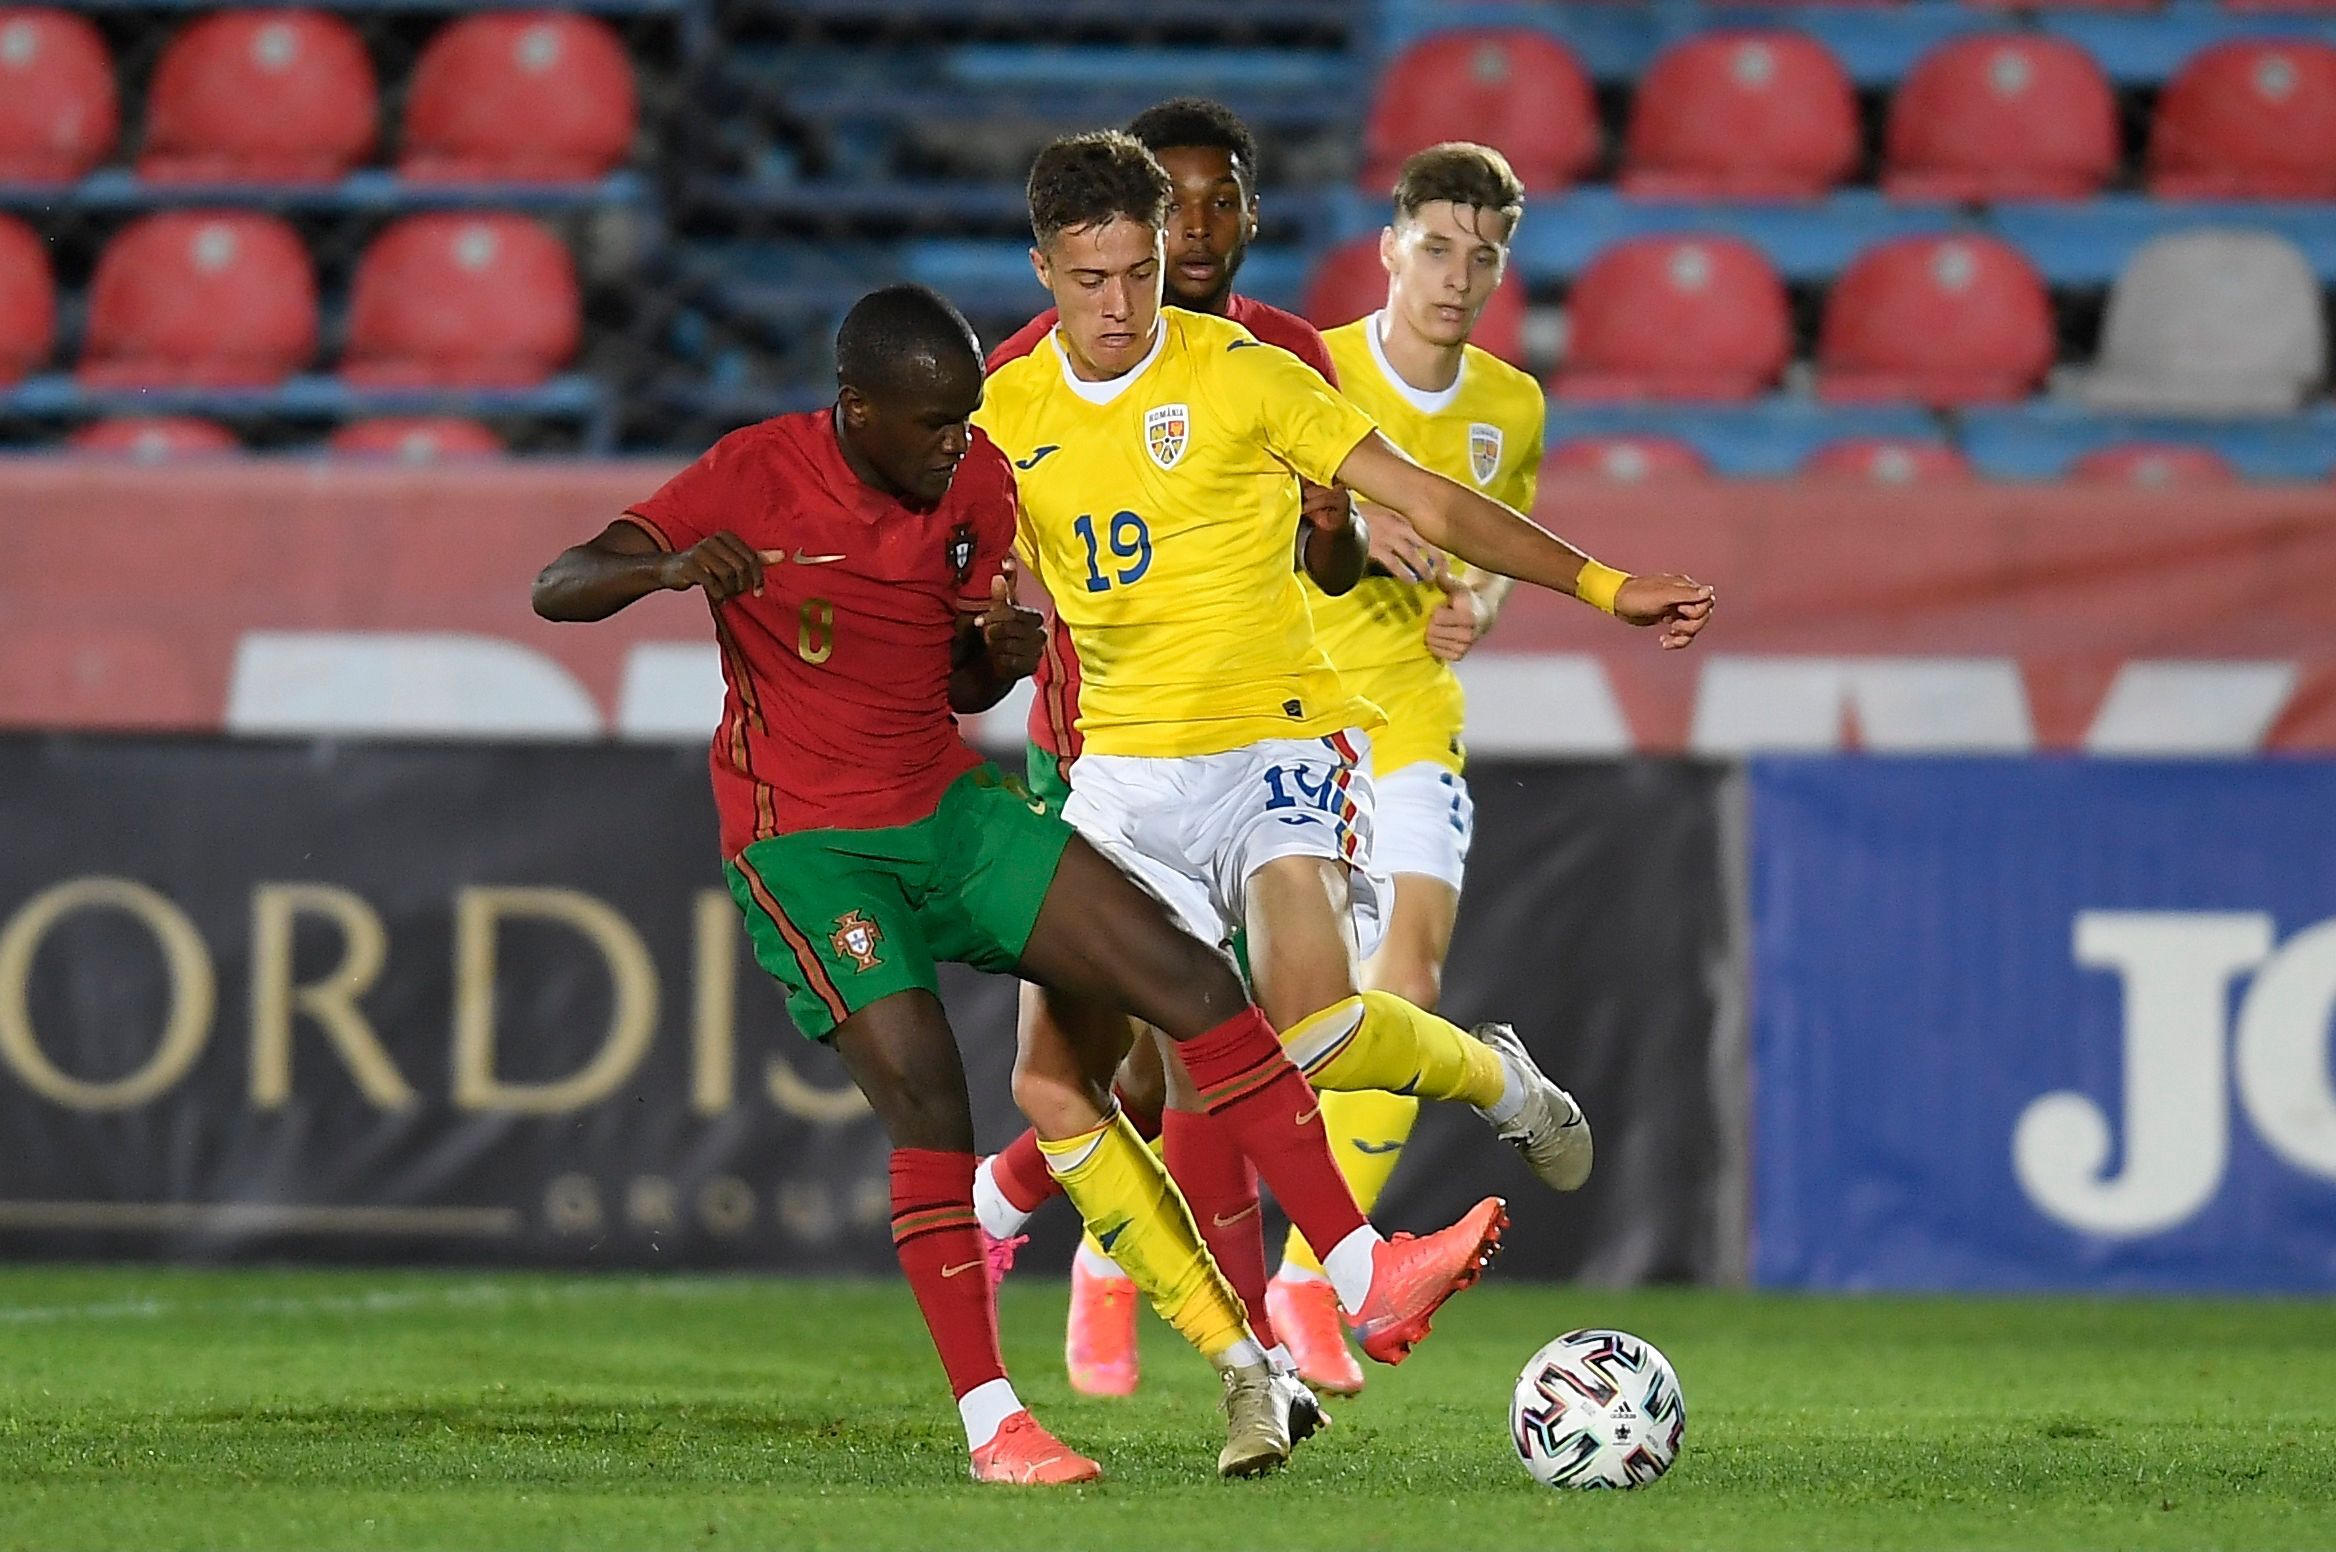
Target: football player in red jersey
856 562
1211 159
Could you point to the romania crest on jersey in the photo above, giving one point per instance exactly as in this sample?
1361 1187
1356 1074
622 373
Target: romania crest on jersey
1484 451
1167 432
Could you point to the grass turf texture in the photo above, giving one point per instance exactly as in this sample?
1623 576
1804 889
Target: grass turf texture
170 1409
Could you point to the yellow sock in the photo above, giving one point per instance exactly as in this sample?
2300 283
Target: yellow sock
1140 1220
1087 1239
1367 1132
1379 1041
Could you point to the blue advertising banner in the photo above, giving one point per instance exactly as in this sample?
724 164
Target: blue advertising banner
2044 1024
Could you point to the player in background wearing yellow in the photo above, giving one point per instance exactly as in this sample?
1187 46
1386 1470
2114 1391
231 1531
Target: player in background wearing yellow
1473 418
1223 764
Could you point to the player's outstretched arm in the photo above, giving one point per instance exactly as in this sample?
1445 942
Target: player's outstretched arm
623 563
1500 539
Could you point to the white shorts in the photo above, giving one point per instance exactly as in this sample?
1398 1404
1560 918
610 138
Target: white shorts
1193 828
1423 823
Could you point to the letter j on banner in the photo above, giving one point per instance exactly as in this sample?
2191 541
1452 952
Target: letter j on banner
2029 1024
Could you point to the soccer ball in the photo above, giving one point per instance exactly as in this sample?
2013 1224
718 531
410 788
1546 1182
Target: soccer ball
1597 1409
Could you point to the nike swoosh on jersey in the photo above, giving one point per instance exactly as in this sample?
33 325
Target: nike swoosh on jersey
965 1266
1224 1222
801 559
1376 1147
1036 455
1244 345
1307 1115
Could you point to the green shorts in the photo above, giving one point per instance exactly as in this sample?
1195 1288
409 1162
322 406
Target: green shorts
1047 782
843 917
1049 787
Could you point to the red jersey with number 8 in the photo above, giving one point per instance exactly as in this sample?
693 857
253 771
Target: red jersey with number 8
835 713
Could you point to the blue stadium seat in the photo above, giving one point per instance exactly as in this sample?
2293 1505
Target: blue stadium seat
2087 243
1768 437
2040 439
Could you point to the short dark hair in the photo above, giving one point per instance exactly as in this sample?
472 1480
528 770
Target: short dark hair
1088 180
896 335
1464 173
1196 121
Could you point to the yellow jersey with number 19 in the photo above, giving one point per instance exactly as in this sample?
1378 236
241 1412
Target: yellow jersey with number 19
1485 432
1160 509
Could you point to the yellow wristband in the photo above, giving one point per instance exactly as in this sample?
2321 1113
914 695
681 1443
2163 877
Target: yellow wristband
1597 585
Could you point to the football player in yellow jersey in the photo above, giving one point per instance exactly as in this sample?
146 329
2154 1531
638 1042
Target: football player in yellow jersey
1472 417
1224 755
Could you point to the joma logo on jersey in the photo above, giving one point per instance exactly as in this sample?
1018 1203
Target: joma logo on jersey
1167 432
1484 451
855 938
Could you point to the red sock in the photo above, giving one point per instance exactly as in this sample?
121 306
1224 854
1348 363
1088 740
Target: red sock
1021 1171
1220 1183
1265 1104
939 1245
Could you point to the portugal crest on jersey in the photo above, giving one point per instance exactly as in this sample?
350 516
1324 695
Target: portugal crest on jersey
1484 451
855 938
961 553
1167 432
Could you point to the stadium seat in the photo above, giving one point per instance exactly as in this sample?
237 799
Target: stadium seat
1350 282
1741 115
463 301
537 96
1935 320
1889 461
2002 116
28 301
154 439
1628 460
1518 90
1675 318
58 111
200 299
416 439
2248 120
2211 322
2154 465
261 96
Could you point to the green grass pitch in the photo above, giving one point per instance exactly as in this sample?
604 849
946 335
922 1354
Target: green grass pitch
159 1409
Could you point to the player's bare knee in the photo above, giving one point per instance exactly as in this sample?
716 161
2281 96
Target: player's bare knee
1056 1103
1421 985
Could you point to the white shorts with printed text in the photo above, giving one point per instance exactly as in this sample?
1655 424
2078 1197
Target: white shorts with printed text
1423 823
1194 828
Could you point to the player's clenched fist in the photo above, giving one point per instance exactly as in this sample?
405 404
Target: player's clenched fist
1679 605
723 564
1012 637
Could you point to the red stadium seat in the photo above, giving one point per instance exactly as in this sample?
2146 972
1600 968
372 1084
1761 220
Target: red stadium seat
28 301
209 299
1513 89
463 301
2006 116
536 96
1741 115
1936 320
154 439
1350 282
273 96
2248 120
58 111
1889 461
418 439
1628 460
2155 465
1675 318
